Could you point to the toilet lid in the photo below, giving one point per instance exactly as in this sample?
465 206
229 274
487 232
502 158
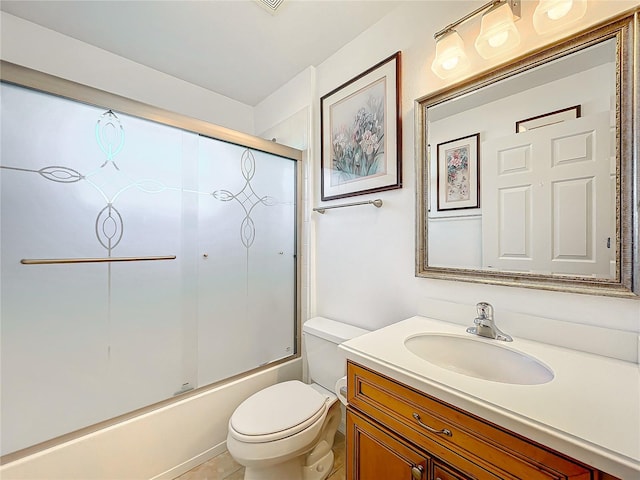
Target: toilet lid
280 407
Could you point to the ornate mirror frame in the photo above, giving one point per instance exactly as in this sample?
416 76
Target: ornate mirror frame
626 30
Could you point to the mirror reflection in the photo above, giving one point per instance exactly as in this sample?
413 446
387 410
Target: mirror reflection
526 173
538 195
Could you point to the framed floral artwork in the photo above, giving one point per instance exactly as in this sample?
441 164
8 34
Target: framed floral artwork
459 173
361 133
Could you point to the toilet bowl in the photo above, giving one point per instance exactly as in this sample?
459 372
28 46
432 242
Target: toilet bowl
286 431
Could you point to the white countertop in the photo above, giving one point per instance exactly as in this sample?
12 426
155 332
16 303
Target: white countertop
589 411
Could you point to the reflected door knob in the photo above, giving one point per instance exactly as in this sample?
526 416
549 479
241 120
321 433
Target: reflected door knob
416 472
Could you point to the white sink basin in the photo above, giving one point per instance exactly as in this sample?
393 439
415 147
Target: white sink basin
479 358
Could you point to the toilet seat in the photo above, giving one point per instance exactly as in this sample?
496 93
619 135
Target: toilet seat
277 412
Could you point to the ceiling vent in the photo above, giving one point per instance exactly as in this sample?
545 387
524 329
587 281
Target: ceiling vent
270 6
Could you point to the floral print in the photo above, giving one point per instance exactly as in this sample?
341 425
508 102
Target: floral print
358 149
457 173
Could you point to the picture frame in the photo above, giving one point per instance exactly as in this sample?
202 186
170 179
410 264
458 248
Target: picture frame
361 133
458 173
551 118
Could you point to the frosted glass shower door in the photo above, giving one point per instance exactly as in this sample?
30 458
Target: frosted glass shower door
85 342
247 268
103 330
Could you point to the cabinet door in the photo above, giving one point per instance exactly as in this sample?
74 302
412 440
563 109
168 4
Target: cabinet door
373 454
440 472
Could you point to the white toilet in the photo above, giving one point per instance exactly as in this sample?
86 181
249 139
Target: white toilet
286 431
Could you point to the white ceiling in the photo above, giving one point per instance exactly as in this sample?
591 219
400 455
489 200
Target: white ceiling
233 47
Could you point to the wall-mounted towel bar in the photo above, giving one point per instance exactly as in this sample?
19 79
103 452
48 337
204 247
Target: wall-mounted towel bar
376 203
48 261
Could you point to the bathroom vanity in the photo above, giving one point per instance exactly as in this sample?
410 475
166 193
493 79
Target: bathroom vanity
410 418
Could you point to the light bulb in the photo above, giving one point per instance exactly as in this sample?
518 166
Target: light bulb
450 55
498 32
451 63
498 39
560 10
553 16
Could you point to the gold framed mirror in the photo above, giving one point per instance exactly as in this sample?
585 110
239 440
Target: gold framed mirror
528 175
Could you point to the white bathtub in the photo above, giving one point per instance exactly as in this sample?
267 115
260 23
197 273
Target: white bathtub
161 444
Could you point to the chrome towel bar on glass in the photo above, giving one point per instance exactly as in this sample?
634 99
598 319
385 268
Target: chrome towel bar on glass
50 261
376 203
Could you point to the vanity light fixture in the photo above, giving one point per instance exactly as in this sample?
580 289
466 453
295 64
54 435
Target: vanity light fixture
498 34
450 55
554 15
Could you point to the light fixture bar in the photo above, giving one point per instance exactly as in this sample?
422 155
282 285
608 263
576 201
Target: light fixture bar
514 4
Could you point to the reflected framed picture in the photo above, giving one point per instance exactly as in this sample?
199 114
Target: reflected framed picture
361 133
551 118
458 172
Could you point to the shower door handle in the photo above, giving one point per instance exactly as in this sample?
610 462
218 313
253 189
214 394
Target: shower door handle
51 261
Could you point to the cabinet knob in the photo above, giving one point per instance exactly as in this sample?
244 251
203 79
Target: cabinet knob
416 472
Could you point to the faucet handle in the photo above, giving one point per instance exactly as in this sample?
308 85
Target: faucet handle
485 325
485 311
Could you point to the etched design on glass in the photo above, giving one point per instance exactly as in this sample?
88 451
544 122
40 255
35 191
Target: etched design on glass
61 174
109 227
246 197
54 173
110 136
109 224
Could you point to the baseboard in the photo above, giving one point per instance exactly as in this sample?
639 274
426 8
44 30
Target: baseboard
192 462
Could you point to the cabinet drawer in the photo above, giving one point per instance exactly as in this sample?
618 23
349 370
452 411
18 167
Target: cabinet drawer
450 433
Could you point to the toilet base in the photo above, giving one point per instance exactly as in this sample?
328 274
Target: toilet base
320 469
293 469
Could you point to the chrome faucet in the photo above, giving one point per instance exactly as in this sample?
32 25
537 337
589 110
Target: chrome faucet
485 326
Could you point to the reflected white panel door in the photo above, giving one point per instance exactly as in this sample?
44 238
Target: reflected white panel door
546 199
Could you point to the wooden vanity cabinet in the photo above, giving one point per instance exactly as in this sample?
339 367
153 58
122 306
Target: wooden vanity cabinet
395 432
377 454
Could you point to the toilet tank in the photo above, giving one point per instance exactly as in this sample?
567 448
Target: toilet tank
321 339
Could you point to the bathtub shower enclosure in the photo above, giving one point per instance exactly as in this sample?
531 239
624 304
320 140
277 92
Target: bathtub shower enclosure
140 259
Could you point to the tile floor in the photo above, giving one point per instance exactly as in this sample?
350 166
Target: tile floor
223 467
